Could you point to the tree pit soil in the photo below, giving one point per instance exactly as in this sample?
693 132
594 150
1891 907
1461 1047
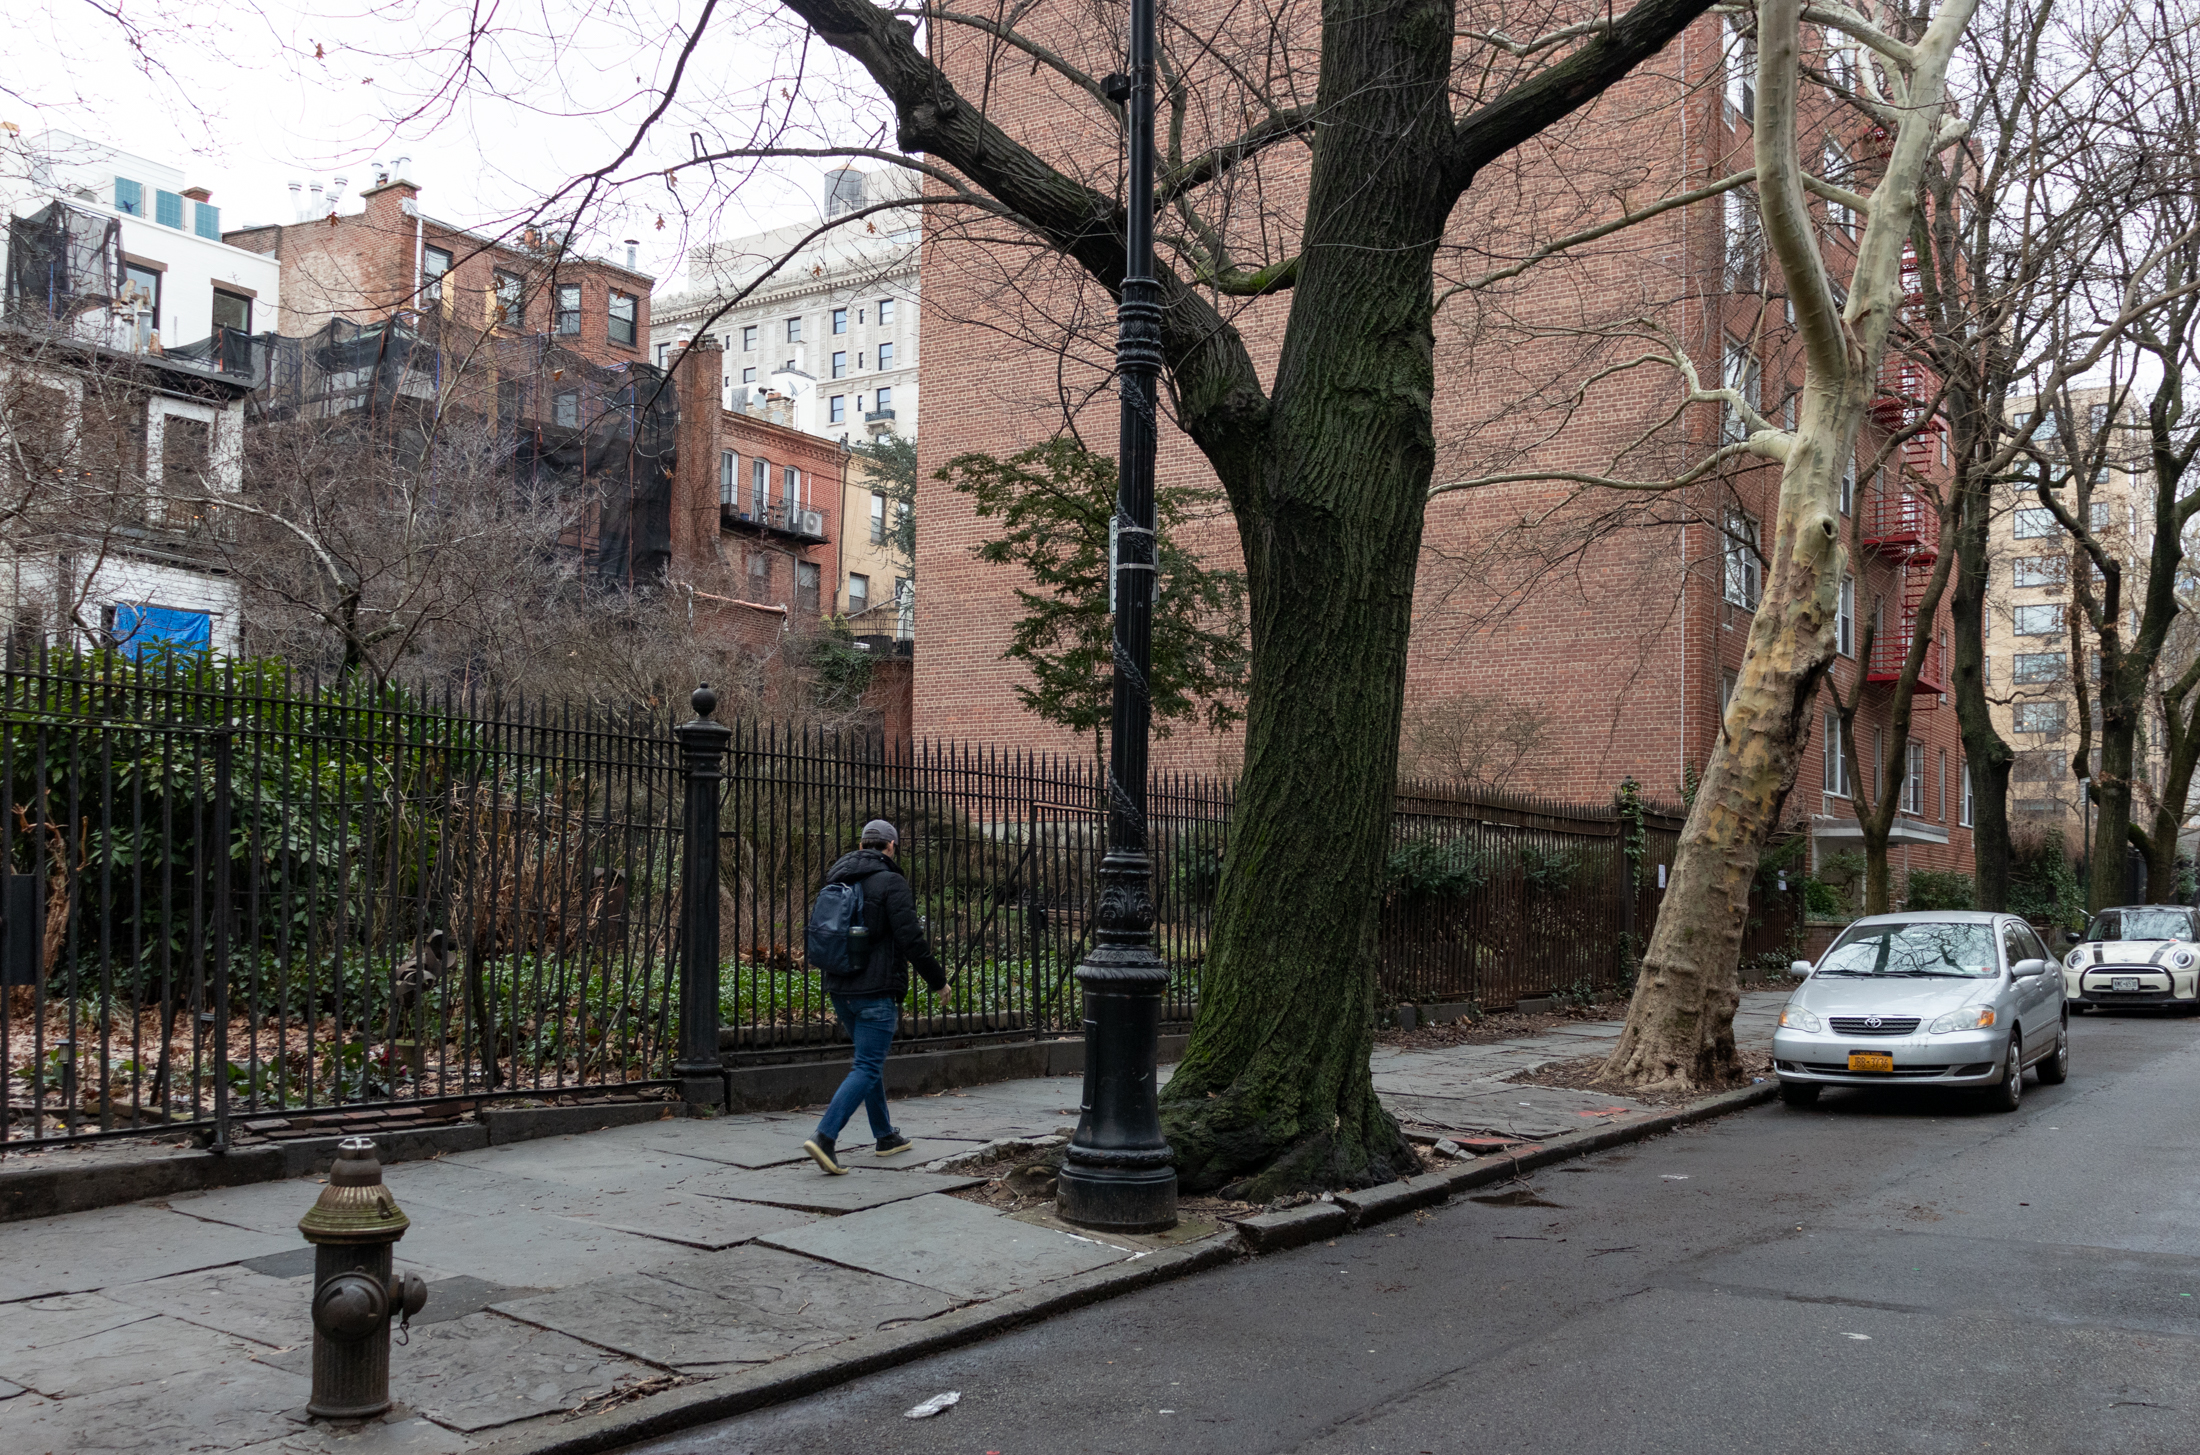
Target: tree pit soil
1017 1181
1580 1073
1502 1026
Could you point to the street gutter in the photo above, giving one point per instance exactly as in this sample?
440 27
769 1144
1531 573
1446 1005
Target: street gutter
725 1396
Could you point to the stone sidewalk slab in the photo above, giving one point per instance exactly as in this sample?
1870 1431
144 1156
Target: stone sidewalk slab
960 1248
672 1217
744 1306
809 1189
88 1250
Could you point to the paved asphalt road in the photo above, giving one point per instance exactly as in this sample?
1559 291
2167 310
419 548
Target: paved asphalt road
1879 1274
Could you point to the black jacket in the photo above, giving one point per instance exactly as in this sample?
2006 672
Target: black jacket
897 939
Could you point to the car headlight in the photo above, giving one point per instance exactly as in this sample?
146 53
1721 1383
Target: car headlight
2075 959
2182 959
1796 1018
1971 1018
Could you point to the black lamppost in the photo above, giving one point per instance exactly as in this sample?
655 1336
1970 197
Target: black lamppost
1118 1172
700 1068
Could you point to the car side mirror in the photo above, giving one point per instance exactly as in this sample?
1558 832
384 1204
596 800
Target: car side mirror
1799 968
2024 968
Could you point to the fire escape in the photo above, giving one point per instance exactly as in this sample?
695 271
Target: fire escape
1900 527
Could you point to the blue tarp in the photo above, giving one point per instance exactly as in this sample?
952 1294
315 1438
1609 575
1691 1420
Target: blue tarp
157 628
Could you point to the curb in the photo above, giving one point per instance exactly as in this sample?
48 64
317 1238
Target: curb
721 1398
776 1383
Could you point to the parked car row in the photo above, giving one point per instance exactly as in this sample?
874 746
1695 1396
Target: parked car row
1971 999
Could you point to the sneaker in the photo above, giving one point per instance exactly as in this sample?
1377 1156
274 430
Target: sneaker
821 1149
892 1143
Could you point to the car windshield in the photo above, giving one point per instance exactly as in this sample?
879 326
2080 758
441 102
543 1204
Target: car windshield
1914 949
2141 924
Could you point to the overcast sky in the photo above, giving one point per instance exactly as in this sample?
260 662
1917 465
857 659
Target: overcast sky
246 97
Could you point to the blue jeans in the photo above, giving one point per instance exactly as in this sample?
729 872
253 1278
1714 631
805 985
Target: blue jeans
871 1020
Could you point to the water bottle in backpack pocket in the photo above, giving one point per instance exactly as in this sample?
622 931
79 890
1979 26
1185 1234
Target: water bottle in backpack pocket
836 941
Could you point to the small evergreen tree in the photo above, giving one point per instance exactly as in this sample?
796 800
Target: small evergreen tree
1054 503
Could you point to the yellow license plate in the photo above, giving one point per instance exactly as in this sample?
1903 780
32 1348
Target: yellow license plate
1866 1061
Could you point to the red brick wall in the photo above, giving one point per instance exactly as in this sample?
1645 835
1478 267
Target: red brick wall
364 266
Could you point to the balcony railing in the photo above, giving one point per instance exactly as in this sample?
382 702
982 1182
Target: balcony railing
784 516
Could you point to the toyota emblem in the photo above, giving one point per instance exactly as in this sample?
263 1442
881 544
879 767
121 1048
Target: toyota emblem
1872 1021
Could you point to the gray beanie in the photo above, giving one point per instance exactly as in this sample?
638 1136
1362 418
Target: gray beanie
878 833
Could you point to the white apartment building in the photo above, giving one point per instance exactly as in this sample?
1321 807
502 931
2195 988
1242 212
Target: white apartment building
827 342
126 367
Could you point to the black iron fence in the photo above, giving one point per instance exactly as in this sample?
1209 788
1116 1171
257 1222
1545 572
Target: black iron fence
235 895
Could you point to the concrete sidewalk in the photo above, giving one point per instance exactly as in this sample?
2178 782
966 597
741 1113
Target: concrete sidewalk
579 1273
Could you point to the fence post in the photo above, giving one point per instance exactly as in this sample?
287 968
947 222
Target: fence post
703 749
224 756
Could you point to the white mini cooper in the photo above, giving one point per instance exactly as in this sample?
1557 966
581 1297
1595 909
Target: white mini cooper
2140 954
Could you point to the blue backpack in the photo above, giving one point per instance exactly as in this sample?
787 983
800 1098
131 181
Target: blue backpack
836 941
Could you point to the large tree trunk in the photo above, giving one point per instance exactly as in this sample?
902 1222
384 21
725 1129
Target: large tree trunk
2108 879
1987 757
1275 1091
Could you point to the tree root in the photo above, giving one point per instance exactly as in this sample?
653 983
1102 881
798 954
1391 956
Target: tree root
1231 1145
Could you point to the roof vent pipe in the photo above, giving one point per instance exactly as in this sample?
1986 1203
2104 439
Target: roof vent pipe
403 169
336 193
317 207
632 244
297 201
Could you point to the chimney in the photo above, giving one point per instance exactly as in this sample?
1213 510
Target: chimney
198 194
632 244
380 173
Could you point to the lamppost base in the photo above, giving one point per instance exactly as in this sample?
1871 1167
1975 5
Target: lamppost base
702 1085
1109 1201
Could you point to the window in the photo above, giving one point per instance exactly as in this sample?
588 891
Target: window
1848 486
760 576
2035 522
886 356
878 520
624 312
760 486
2039 717
569 308
1963 771
840 320
168 210
1743 238
748 375
748 338
1744 568
794 330
859 595
129 197
232 310
434 263
1942 796
1738 372
512 305
664 355
1728 684
186 450
1840 772
885 402
805 587
840 364
2043 570
566 408
886 310
206 221
1844 618
1741 74
1913 781
1837 172
729 478
2037 667
2097 515
2040 621
790 485
837 409
2096 420
2038 765
141 287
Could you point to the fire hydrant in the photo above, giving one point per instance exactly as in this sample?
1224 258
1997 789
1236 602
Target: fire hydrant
353 1227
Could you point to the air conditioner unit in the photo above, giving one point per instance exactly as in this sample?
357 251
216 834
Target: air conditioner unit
813 523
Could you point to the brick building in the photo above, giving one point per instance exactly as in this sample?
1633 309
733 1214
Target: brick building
1611 628
390 257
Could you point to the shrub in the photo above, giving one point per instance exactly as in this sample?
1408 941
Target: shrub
2043 887
1548 870
1940 889
1435 867
1821 900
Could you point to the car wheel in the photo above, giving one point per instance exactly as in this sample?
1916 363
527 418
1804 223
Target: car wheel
1799 1093
2055 1070
2009 1094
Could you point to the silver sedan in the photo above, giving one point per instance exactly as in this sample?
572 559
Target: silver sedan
1956 998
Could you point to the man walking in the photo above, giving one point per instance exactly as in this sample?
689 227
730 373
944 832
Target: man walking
867 995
